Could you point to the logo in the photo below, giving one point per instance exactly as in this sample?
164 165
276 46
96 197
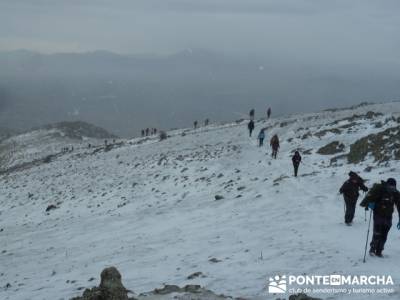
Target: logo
335 280
331 284
277 285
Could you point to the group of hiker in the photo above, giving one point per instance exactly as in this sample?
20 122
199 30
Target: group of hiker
149 131
252 113
274 142
381 199
196 123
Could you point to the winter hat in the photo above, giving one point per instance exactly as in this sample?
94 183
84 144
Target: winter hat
353 174
391 181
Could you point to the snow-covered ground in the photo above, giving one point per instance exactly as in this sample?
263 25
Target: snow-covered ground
150 210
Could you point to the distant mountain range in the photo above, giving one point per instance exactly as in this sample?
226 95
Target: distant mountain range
126 93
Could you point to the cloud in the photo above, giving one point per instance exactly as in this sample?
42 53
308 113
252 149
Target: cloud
335 30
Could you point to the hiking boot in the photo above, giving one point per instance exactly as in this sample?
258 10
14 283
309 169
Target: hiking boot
378 253
372 252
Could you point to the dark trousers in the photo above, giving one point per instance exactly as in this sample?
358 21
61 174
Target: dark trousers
381 229
350 209
274 153
296 169
261 142
250 132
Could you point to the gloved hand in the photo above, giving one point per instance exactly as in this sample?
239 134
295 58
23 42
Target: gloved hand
398 225
371 205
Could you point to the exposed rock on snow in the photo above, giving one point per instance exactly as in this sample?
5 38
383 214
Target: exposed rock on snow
383 146
302 297
331 148
111 287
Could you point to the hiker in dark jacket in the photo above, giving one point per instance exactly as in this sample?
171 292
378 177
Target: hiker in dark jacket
274 145
251 114
350 190
261 137
195 124
381 199
250 126
296 159
269 112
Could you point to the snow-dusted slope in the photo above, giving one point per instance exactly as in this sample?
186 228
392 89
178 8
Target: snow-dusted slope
49 140
149 208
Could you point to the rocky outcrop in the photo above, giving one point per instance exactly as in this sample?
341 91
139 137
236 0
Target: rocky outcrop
302 297
111 287
331 148
383 146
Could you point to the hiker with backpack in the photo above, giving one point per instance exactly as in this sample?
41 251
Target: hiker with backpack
274 145
296 160
269 112
261 137
381 199
351 191
250 126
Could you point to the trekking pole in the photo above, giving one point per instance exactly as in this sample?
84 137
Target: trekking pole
366 243
365 216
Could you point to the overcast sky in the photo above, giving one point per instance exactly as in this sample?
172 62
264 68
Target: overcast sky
334 30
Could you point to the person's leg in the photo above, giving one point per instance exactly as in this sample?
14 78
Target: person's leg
384 229
350 209
375 237
381 230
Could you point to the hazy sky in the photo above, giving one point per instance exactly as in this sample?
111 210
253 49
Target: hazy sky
334 30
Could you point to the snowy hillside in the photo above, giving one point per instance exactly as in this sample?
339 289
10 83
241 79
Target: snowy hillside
49 140
149 208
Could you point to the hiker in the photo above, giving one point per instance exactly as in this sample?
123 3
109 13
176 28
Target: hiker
296 159
155 130
274 145
250 126
251 114
261 137
195 124
269 112
350 190
147 131
143 133
206 122
381 199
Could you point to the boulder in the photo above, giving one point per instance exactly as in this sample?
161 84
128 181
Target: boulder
302 297
111 287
